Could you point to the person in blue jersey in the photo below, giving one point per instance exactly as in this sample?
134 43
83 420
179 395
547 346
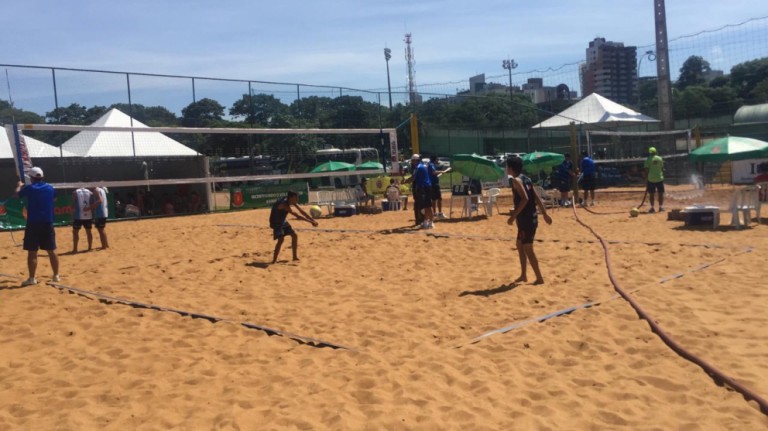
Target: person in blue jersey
39 232
280 226
422 193
100 213
437 194
588 178
565 175
82 217
524 214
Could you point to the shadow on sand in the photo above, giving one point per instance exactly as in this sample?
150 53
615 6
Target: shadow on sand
488 292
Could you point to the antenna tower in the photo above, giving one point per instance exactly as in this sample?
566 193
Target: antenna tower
411 69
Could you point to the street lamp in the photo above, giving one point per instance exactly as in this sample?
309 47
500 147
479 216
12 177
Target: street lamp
651 57
387 56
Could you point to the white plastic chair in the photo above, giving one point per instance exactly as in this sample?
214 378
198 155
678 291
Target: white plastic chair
491 201
744 201
548 200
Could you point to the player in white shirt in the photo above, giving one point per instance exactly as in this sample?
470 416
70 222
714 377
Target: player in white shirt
100 213
82 216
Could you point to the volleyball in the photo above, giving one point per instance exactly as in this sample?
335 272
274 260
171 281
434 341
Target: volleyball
634 212
315 211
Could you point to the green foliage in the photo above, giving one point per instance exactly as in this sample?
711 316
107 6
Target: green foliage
153 116
745 77
202 113
691 102
75 114
693 72
9 114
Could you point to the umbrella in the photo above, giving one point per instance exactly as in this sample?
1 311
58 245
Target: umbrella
333 167
730 148
367 166
541 160
477 167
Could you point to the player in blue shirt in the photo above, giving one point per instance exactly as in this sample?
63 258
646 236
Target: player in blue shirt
565 174
39 233
281 227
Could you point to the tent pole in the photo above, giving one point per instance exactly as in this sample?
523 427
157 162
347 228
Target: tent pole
130 112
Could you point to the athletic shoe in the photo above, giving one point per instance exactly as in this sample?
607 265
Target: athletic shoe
56 278
441 216
661 209
592 203
651 211
425 225
29 282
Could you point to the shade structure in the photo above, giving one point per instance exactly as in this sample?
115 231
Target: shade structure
333 166
730 148
541 160
477 167
596 109
368 166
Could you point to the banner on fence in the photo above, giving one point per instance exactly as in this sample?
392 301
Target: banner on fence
264 196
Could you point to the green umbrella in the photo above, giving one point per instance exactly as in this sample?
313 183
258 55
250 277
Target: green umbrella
730 148
477 167
541 160
333 167
367 166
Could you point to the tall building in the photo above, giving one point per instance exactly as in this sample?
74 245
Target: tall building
610 70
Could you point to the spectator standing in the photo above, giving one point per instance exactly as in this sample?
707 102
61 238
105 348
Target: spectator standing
422 193
565 175
39 232
654 172
588 179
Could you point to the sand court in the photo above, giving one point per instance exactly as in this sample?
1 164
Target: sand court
409 304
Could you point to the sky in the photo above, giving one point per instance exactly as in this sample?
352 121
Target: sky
324 42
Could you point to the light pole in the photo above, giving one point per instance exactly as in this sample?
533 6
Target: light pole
509 65
651 57
387 56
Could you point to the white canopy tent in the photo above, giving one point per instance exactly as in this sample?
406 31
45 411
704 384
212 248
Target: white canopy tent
596 109
35 147
123 144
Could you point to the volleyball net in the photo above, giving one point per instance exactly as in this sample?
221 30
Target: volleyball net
171 170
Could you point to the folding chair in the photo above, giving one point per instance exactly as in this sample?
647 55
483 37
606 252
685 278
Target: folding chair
548 200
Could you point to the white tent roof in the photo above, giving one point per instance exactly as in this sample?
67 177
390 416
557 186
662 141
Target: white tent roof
596 109
35 147
120 144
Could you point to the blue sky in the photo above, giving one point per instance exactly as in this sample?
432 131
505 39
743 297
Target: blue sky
337 43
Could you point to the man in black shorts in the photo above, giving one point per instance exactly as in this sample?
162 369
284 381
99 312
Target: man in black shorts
526 200
281 227
39 233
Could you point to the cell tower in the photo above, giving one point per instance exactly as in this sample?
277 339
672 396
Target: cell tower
411 69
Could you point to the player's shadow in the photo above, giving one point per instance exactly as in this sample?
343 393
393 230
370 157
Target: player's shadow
488 292
404 229
261 265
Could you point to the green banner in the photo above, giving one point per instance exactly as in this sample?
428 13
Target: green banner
264 196
13 211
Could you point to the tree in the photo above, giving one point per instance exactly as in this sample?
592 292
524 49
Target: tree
691 102
202 113
75 114
259 109
746 76
693 72
759 93
154 116
9 114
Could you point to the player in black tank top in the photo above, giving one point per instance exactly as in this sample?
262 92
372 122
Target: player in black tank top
524 214
281 228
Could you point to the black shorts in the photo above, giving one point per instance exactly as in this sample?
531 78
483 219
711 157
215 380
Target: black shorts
281 231
526 230
653 187
564 186
39 236
437 194
77 224
423 197
100 222
587 182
